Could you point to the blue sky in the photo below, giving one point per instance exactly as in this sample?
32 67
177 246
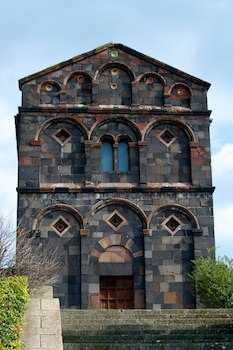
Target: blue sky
195 36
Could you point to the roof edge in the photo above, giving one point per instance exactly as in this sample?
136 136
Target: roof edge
125 48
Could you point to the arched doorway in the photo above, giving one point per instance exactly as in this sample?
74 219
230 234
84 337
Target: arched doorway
116 264
116 278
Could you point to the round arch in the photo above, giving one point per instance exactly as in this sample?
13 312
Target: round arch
118 254
189 132
61 206
88 75
49 122
116 240
120 201
107 136
119 65
176 207
179 84
125 121
52 82
154 74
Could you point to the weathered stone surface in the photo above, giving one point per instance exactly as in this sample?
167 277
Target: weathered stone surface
165 197
42 328
147 330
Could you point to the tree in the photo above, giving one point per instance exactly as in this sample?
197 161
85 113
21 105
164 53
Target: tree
40 263
213 281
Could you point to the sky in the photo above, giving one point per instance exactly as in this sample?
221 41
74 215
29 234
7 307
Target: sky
195 36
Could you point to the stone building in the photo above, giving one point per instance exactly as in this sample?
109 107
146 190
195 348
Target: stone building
115 171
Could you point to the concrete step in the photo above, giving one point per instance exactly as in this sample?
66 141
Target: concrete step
105 329
193 313
168 346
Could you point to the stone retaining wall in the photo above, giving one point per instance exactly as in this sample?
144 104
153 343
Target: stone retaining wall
42 330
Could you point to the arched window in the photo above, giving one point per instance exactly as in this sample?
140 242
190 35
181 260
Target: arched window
107 159
79 89
123 156
181 96
115 87
151 90
50 93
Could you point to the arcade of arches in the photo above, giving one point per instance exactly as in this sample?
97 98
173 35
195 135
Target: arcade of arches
115 171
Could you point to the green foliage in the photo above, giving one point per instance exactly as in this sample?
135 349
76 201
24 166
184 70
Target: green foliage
213 281
14 296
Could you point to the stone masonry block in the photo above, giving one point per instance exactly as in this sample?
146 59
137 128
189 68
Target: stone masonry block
50 304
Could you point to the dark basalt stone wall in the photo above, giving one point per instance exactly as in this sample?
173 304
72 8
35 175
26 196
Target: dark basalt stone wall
161 207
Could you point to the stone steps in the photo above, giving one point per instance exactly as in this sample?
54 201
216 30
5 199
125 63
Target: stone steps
168 346
146 329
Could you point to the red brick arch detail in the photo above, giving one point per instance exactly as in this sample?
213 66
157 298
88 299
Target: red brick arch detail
181 85
55 120
117 64
122 249
176 208
76 73
60 206
188 130
107 135
50 81
133 126
119 201
154 74
116 240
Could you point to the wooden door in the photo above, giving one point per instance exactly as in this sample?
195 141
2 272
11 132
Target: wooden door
116 292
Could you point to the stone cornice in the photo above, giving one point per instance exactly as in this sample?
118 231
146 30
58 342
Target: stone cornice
124 110
117 190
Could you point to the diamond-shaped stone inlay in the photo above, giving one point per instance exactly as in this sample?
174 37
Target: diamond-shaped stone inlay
116 220
62 136
61 225
167 137
172 224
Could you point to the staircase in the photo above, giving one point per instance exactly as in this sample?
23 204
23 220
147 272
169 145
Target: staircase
146 330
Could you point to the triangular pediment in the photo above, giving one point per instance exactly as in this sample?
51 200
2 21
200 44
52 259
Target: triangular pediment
122 48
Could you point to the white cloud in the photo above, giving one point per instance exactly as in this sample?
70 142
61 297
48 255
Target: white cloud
223 162
218 100
222 170
224 230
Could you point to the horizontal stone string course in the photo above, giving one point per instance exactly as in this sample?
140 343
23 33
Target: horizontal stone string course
115 172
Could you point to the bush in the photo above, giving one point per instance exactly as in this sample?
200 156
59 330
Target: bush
13 299
213 281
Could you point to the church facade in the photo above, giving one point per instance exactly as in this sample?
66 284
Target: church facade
115 171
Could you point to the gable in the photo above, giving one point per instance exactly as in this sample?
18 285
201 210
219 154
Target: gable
93 60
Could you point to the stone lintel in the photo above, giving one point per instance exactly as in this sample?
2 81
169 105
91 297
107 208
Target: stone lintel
120 110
